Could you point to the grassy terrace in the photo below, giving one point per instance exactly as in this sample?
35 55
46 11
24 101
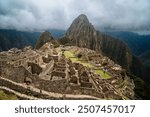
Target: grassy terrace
7 96
71 56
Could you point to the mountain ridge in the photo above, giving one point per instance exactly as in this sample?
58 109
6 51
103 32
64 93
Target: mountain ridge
16 39
44 38
138 43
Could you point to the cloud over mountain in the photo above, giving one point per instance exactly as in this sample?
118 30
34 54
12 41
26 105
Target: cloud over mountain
104 14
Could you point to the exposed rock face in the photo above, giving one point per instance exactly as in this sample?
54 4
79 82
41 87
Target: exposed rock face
82 33
44 38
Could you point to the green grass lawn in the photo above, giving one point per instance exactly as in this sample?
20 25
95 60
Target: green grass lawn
68 54
102 74
74 59
7 96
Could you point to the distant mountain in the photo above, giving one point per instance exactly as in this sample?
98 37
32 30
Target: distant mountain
139 44
145 57
19 39
44 38
16 39
57 33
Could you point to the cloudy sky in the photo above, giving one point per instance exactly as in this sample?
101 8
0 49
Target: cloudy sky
130 15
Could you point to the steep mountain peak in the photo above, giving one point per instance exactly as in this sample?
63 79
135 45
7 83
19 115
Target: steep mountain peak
44 38
82 33
82 18
79 25
46 33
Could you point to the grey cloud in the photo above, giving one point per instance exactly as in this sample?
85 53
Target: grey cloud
58 14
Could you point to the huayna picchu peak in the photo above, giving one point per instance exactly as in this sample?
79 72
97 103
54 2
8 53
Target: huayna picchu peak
83 64
82 33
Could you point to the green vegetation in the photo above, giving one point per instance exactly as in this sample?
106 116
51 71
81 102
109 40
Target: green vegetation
68 54
102 74
7 96
142 89
74 59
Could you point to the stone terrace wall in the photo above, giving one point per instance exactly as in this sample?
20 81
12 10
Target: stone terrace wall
20 89
89 91
76 89
58 74
58 86
17 74
24 90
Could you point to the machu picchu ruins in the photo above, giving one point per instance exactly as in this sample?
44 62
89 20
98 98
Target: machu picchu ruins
63 72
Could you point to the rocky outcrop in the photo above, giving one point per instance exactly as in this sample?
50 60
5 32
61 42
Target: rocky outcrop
44 38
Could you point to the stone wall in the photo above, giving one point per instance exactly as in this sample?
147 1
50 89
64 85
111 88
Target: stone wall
20 89
17 74
90 91
59 65
58 74
3 63
58 86
86 84
47 60
35 68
